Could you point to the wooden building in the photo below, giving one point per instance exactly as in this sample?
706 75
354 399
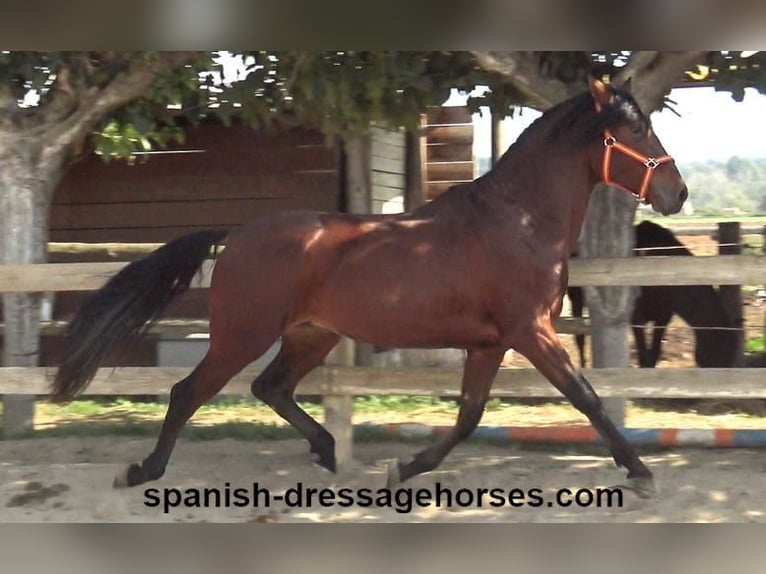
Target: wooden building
226 176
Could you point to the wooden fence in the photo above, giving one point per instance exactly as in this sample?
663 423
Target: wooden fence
666 270
339 384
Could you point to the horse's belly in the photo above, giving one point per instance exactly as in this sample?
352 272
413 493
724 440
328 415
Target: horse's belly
408 319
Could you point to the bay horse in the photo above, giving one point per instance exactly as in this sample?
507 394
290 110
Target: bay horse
483 267
716 336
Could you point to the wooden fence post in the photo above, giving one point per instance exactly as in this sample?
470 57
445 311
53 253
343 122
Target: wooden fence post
338 412
414 171
731 295
763 250
338 409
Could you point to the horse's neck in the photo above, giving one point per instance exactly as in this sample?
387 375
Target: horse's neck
553 190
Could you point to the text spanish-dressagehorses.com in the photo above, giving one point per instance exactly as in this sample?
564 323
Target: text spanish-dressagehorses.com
403 500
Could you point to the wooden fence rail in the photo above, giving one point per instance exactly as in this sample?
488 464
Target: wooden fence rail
181 328
712 270
432 381
711 230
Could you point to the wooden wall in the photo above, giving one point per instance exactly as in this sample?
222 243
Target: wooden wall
387 170
220 177
449 149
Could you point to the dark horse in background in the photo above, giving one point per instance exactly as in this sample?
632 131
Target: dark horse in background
716 334
483 268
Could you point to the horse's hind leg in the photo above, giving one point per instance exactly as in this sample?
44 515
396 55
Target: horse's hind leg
547 354
478 374
186 397
303 348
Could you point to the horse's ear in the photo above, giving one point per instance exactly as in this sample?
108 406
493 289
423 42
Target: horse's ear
627 86
602 94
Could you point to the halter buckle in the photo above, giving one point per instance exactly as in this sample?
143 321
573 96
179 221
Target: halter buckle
609 141
651 163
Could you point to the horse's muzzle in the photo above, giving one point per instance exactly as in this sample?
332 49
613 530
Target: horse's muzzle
668 202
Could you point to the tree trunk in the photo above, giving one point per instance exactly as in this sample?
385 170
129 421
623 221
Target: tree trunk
608 232
25 194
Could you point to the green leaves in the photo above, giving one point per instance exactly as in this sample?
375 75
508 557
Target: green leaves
339 92
734 71
126 139
344 92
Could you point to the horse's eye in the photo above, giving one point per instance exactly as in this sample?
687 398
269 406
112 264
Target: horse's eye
637 128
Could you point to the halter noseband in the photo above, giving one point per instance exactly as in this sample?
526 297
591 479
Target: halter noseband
651 163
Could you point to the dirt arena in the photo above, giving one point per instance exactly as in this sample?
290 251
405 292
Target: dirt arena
69 480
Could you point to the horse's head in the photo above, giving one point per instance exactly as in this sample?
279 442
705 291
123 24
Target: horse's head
631 156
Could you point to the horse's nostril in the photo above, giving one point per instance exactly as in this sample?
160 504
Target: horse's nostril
683 194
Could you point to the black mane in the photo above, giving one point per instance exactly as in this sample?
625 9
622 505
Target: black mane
580 114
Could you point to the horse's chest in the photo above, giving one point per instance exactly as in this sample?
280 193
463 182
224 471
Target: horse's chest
524 294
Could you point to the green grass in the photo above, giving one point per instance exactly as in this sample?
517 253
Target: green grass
226 417
234 430
246 407
387 403
122 407
755 345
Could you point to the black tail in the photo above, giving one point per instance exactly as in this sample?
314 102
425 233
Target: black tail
127 305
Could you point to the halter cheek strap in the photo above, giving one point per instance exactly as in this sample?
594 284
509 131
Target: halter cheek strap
651 163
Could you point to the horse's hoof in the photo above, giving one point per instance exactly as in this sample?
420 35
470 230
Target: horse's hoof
393 475
326 462
121 479
128 476
642 486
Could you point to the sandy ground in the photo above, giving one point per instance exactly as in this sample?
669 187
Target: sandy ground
69 480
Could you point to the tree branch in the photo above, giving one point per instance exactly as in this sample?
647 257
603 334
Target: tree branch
527 74
653 73
656 73
637 61
98 102
61 100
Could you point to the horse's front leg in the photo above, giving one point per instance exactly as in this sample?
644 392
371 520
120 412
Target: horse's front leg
547 354
479 372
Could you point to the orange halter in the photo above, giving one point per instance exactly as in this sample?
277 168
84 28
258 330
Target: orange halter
651 163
